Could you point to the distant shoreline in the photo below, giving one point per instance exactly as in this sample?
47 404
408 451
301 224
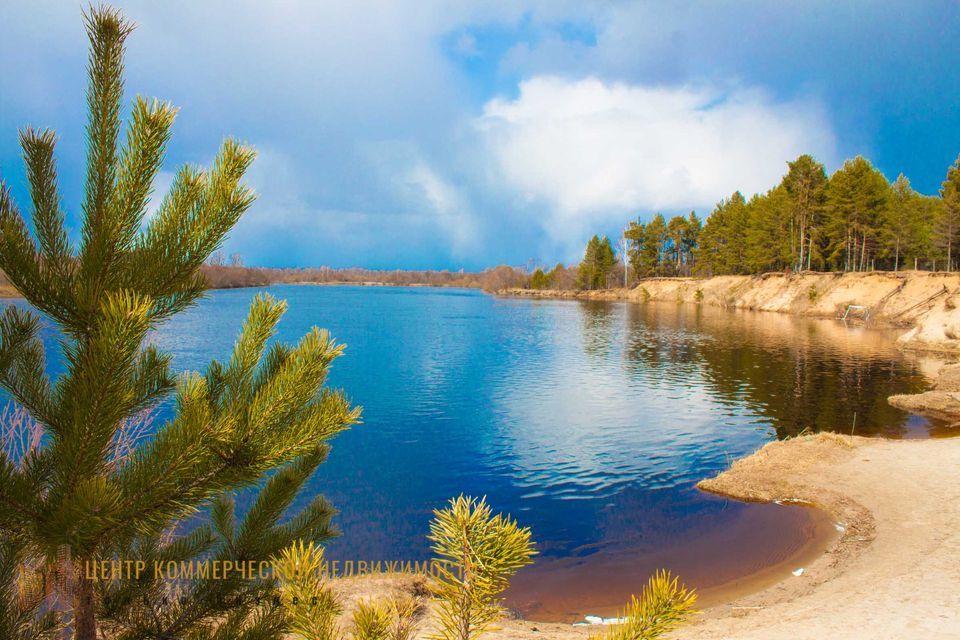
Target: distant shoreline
228 277
8 292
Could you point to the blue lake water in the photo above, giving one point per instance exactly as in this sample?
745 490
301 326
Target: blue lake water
589 422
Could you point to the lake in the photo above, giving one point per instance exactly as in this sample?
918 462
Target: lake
589 422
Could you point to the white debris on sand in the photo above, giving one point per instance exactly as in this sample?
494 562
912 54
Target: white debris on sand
592 620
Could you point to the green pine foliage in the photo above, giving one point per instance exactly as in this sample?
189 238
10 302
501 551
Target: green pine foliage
372 620
722 242
948 222
310 606
539 280
263 410
689 240
905 221
143 609
853 220
21 601
481 553
769 232
678 229
856 202
636 237
598 260
663 605
406 611
805 184
394 619
651 254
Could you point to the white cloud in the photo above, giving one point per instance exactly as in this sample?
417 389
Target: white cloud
451 210
288 221
594 151
329 87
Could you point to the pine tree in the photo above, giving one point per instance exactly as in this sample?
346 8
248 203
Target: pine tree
677 231
924 245
481 551
856 199
560 277
651 256
721 244
691 240
237 605
769 243
806 183
264 409
606 259
585 273
313 607
636 235
948 223
663 605
902 221
598 259
539 279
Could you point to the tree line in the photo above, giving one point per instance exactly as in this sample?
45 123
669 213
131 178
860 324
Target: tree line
219 275
854 220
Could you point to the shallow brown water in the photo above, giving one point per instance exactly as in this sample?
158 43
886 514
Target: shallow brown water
756 549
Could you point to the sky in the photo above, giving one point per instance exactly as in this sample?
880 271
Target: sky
430 134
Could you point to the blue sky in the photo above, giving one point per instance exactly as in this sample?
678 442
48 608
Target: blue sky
432 134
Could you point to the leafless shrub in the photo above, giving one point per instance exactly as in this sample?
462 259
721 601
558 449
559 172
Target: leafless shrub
20 434
220 276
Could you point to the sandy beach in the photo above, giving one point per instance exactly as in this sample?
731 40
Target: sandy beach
894 574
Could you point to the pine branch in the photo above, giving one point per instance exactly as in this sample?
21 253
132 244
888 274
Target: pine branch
147 137
98 391
260 326
663 605
483 551
312 523
107 31
20 260
21 616
48 219
22 364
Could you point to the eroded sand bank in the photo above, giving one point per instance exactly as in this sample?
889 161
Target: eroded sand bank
926 304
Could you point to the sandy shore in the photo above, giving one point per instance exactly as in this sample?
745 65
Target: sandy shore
894 573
